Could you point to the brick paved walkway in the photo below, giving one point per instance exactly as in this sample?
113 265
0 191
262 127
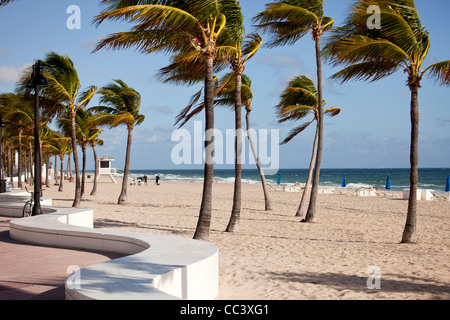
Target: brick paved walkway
30 272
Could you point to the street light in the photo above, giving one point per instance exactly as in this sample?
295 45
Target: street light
36 82
2 182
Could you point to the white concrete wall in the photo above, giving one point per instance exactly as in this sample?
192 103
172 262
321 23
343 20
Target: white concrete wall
155 267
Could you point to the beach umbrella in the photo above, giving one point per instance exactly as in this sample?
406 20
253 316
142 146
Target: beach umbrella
344 181
279 179
447 186
388 182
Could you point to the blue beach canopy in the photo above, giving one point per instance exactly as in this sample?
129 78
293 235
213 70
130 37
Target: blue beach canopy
447 186
388 182
344 181
279 179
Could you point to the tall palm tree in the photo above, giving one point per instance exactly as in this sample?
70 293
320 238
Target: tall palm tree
288 21
240 57
64 86
236 54
402 43
226 98
61 145
92 137
17 108
299 100
94 141
87 131
175 26
121 106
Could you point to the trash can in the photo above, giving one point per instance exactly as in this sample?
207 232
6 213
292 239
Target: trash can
3 186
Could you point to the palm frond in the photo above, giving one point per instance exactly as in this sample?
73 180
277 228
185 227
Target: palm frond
440 72
64 82
288 21
332 112
295 112
5 2
252 44
121 106
364 49
86 96
294 132
367 71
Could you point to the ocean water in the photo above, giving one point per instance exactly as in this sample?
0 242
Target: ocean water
433 178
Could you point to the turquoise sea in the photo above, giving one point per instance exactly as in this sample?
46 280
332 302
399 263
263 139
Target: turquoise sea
432 178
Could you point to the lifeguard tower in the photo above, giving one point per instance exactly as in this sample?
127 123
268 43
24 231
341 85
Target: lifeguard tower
105 168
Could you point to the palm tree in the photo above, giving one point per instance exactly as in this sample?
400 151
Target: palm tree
237 55
299 100
87 131
402 43
94 142
60 145
288 21
92 138
64 86
121 107
240 57
17 108
174 26
226 98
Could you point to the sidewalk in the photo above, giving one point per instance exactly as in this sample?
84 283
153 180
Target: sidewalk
30 272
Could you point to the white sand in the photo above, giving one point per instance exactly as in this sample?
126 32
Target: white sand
274 256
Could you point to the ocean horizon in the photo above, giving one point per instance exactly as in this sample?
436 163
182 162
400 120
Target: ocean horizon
429 178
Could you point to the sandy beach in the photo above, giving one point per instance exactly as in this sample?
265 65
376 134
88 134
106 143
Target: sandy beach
275 257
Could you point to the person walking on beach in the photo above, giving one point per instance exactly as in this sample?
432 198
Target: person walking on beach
145 179
157 180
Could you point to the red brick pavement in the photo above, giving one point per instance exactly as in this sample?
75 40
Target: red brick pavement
30 272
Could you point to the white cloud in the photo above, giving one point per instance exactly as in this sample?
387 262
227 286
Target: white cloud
153 139
12 74
163 109
280 61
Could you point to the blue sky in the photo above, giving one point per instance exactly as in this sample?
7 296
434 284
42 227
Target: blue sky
372 131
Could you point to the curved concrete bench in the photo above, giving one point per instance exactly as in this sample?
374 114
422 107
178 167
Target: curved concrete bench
155 267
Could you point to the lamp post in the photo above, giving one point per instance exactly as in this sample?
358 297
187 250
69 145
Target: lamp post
2 182
37 82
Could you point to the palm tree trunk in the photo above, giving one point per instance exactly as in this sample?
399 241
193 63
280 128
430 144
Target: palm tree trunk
409 233
123 194
61 176
69 167
47 171
83 176
94 188
204 219
55 171
30 161
77 200
267 203
10 165
311 213
302 207
233 224
19 169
